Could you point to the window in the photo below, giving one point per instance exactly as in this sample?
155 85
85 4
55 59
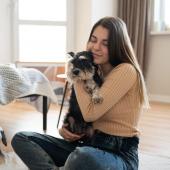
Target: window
161 17
42 29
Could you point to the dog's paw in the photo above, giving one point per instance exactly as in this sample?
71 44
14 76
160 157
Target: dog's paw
97 99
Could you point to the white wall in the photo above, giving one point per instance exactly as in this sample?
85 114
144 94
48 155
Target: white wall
82 23
101 8
87 13
158 78
5 32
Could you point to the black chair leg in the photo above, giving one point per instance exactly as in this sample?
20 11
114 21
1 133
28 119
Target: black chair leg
45 109
62 103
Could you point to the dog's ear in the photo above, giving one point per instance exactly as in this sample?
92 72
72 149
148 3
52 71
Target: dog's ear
71 54
87 54
90 55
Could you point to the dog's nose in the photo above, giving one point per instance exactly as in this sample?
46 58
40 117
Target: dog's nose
76 71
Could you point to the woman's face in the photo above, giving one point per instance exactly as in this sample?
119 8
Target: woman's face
98 45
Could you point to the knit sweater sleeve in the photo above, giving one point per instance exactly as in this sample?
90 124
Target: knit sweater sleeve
115 86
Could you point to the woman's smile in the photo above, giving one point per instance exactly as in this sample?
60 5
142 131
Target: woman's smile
95 55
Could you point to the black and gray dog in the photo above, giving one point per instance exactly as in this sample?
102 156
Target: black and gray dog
81 67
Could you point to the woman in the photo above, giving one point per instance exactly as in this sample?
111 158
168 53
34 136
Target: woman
114 145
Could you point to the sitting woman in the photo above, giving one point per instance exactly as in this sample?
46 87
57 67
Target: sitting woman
114 145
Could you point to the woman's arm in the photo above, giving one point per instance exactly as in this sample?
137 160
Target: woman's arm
115 86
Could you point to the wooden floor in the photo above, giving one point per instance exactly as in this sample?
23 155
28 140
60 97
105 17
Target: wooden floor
21 116
155 130
154 127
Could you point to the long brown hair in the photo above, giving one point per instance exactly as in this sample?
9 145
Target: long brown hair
120 50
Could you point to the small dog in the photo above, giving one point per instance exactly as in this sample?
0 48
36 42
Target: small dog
81 67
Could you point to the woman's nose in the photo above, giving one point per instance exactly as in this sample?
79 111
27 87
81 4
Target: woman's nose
96 46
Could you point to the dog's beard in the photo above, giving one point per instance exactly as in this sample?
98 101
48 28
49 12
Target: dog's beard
82 75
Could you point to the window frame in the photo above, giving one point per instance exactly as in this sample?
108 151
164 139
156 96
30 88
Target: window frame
69 23
160 26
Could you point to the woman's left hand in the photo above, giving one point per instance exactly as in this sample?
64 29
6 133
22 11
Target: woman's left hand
69 136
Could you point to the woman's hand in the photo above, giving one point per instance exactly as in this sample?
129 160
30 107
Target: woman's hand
67 135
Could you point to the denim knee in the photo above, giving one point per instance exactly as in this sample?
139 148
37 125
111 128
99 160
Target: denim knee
79 159
18 138
31 153
89 158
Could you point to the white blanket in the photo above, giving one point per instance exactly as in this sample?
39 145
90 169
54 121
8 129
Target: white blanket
25 83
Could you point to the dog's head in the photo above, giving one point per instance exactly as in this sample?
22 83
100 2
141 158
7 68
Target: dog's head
80 66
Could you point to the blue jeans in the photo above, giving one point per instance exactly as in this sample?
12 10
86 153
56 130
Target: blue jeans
44 152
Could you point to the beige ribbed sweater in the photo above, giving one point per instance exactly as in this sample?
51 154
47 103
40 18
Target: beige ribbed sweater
119 112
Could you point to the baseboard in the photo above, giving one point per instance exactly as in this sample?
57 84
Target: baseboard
159 98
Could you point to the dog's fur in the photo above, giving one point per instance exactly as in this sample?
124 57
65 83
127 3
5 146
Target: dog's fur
81 67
